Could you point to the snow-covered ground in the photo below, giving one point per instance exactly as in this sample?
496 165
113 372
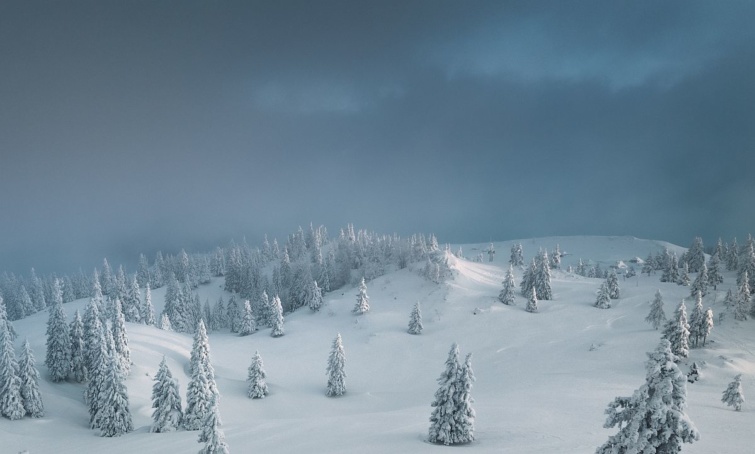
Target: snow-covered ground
543 380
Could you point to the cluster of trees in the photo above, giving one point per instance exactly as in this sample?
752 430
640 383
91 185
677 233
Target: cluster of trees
19 379
452 418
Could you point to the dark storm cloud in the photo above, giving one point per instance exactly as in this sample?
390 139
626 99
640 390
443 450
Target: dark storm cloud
137 126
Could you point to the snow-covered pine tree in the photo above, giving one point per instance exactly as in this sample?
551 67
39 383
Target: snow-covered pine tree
166 401
612 282
532 301
314 296
528 279
113 416
202 387
142 273
277 317
604 299
248 324
556 258
4 320
732 258
148 310
78 371
452 419
707 325
714 271
517 257
733 395
233 314
671 267
120 340
653 419
28 376
694 373
684 276
696 256
742 302
542 280
11 401
219 320
415 320
165 324
335 370
212 435
730 301
647 267
676 332
507 293
256 378
58 355
363 301
132 303
657 316
696 321
700 284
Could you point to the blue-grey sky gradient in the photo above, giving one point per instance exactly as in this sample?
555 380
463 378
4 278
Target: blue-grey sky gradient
133 126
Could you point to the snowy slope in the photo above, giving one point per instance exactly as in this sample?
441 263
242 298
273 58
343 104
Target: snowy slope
543 380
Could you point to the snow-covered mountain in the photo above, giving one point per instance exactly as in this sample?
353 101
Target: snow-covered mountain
543 379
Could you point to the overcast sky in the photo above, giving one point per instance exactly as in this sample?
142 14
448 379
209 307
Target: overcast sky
133 126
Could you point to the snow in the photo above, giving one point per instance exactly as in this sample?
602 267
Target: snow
543 379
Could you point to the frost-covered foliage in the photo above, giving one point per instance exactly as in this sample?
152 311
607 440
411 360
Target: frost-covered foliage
113 415
96 357
506 296
165 324
28 376
657 316
314 296
363 301
714 271
4 322
532 301
684 276
202 387
415 320
733 395
120 341
58 355
670 267
452 419
212 436
517 256
542 278
257 388
148 310
78 372
612 282
180 306
248 324
219 316
742 301
528 279
11 402
700 284
166 401
676 332
276 310
603 300
700 322
335 371
696 256
653 419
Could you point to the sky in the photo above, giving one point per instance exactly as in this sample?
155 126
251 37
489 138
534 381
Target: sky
137 126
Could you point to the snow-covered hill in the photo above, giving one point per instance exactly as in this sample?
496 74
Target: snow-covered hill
543 380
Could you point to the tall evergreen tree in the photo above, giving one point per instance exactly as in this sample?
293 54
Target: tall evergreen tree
165 323
696 256
653 419
142 274
706 325
700 285
166 401
148 310
219 320
233 315
202 387
29 383
612 282
415 320
696 321
452 419
507 293
604 299
684 276
517 258
733 395
78 372
363 301
277 317
11 401
657 316
248 324
211 434
256 378
4 320
58 356
120 340
113 416
528 279
676 332
714 271
335 370
742 302
542 281
314 296
532 301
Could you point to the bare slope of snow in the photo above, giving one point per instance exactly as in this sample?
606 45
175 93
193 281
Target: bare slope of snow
543 380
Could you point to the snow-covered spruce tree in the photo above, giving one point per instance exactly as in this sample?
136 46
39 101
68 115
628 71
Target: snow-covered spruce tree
612 281
670 267
120 340
233 314
58 355
363 301
415 320
532 301
28 375
700 284
507 293
676 332
165 323
730 301
517 257
732 258
256 378
714 272
11 402
78 371
212 435
706 325
166 401
248 324
742 302
542 281
696 256
452 419
113 416
604 299
556 258
335 370
4 320
733 396
648 267
684 276
148 310
219 320
653 419
202 387
528 279
694 373
277 317
657 316
132 303
696 320
314 296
